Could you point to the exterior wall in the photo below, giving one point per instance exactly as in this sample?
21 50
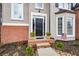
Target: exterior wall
27 9
11 34
6 15
14 30
18 29
42 11
53 9
77 24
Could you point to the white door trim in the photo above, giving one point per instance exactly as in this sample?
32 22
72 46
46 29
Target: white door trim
40 15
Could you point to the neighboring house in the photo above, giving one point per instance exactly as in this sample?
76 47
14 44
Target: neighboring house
19 19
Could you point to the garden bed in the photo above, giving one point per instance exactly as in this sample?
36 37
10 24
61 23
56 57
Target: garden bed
14 49
70 48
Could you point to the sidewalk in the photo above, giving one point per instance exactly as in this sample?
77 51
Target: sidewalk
47 52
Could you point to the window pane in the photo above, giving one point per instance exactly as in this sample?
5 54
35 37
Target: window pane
60 26
69 6
17 10
56 4
70 26
65 5
39 5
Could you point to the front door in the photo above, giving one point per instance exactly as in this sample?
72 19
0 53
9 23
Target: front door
39 27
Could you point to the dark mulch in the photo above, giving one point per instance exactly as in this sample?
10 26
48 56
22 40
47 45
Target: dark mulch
71 47
13 48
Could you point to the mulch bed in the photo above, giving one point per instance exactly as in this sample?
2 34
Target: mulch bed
71 48
14 49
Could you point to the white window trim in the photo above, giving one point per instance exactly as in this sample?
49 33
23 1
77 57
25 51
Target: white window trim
12 13
73 35
57 25
64 6
39 7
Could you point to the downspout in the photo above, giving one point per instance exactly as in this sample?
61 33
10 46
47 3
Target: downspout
49 17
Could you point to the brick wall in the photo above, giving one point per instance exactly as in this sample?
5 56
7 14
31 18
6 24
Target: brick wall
11 34
77 24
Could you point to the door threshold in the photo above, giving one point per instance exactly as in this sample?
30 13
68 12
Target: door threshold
40 37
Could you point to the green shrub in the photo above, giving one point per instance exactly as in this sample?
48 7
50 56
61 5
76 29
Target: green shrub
48 34
29 51
59 45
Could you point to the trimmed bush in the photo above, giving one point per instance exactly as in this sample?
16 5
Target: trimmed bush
59 45
48 34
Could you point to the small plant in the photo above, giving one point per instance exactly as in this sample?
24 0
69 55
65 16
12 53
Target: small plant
59 45
29 51
32 35
48 34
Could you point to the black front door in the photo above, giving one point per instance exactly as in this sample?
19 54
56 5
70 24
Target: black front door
39 27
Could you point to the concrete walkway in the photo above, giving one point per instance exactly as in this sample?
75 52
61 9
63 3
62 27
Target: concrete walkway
47 52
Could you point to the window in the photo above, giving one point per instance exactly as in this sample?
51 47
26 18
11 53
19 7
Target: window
17 11
70 26
61 5
74 4
39 5
56 5
64 5
59 26
69 6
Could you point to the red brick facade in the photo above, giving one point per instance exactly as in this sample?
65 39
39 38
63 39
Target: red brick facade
77 24
11 34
